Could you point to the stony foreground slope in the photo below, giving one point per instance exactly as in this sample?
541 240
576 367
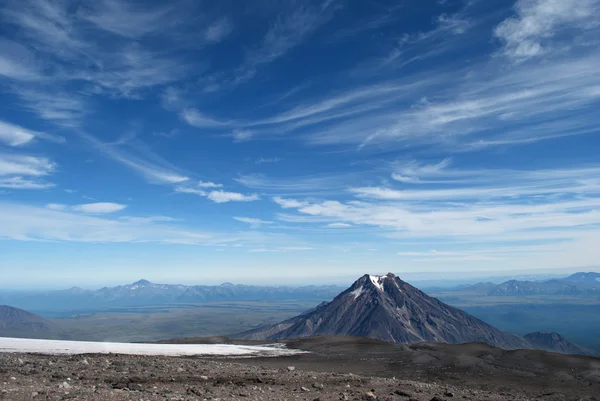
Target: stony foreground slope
389 309
336 368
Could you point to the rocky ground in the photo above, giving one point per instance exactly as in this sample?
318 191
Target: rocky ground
335 369
112 377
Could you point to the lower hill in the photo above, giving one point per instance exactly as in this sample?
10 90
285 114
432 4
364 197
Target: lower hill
556 343
16 322
388 309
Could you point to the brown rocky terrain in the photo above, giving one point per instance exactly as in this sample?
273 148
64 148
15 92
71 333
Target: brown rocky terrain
337 368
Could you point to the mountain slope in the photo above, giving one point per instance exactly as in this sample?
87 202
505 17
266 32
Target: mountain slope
388 309
556 343
16 322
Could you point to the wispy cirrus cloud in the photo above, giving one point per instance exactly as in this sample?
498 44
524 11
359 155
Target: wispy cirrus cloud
123 19
18 182
218 30
19 171
29 223
15 135
91 208
483 206
71 39
17 62
16 164
254 222
196 119
58 107
289 30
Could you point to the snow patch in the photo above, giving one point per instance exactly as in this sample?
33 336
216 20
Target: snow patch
357 292
26 345
597 278
377 281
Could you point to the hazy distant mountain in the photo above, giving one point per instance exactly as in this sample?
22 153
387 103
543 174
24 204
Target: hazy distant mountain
584 280
143 292
576 284
389 309
556 343
16 322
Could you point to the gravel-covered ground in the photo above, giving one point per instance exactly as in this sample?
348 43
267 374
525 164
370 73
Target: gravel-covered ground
336 368
122 377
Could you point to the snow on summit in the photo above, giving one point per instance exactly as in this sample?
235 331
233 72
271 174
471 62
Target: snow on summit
378 281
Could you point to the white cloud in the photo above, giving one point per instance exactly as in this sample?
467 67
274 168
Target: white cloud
241 135
253 221
14 135
99 207
537 22
23 183
218 30
23 222
91 208
13 164
412 171
219 196
338 225
484 205
148 220
223 197
23 172
487 105
209 184
61 108
188 190
288 203
56 206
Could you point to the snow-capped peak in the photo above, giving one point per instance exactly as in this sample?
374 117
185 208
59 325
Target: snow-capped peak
377 281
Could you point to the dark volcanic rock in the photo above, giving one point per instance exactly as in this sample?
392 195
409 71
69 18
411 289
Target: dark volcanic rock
389 309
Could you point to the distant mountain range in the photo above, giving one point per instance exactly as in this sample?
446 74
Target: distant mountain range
584 284
145 293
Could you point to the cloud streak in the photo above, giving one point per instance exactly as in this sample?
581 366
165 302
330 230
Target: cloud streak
90 208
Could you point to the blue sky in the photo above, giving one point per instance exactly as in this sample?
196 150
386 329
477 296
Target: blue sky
300 141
